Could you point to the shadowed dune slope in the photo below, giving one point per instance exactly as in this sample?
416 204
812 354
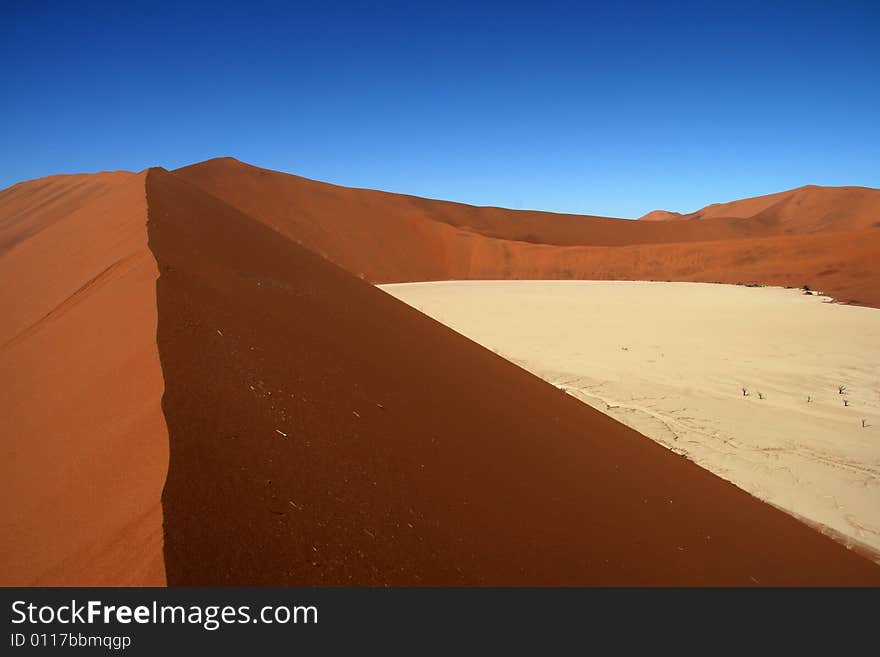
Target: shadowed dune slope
321 432
84 444
828 238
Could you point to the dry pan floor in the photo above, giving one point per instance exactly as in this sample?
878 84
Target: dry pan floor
773 390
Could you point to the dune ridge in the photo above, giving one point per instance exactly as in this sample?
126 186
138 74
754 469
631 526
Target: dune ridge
205 388
825 238
357 441
806 209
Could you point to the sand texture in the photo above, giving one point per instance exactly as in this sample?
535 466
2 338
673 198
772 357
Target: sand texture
201 385
353 440
671 360
84 443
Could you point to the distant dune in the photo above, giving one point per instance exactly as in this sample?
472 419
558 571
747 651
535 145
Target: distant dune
314 430
807 209
826 238
661 215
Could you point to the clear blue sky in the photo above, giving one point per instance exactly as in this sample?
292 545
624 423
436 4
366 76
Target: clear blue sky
614 108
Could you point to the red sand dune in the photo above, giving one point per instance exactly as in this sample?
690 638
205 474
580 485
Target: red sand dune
85 450
806 209
661 215
827 238
356 441
313 429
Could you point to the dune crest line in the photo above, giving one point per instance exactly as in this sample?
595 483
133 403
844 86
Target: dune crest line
202 386
825 237
322 432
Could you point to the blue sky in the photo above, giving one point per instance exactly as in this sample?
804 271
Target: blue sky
615 108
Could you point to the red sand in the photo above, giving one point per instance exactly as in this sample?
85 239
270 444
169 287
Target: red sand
411 455
827 238
354 440
661 215
806 209
84 442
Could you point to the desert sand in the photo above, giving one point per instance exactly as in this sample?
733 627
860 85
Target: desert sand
202 386
85 449
671 360
353 440
807 209
824 237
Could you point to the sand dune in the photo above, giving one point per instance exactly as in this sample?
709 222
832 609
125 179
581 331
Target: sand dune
356 441
671 359
827 238
661 215
32 206
84 441
314 430
807 209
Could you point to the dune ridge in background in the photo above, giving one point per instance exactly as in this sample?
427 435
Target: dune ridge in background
84 443
824 237
357 441
314 430
661 215
806 209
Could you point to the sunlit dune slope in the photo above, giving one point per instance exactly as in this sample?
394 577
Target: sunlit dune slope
84 442
807 209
